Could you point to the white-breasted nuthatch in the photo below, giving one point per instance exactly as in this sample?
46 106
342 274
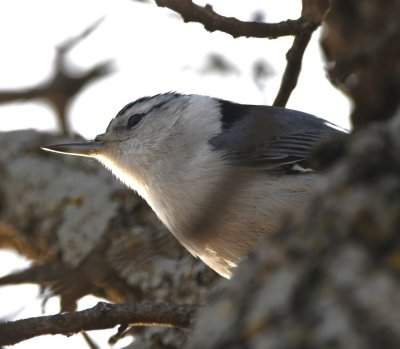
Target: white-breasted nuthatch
218 174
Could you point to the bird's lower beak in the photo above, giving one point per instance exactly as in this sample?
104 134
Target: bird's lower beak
88 149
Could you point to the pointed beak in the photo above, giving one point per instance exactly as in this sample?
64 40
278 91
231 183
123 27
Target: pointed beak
88 149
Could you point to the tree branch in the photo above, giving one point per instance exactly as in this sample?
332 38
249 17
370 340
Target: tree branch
102 316
213 21
293 67
64 85
314 12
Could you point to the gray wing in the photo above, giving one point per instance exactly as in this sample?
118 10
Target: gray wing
272 138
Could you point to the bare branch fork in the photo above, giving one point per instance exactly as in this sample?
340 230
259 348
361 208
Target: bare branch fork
63 85
102 316
313 13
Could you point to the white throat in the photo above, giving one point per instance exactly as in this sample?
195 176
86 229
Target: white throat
176 195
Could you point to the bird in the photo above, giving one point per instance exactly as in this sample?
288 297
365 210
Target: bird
220 175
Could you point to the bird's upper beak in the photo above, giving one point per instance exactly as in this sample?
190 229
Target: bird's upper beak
88 148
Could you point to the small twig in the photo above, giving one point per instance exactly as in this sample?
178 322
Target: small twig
213 21
314 11
120 333
102 316
89 341
293 67
70 43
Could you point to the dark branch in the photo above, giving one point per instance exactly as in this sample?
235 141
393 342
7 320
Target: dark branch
213 21
292 71
314 11
102 316
70 43
63 86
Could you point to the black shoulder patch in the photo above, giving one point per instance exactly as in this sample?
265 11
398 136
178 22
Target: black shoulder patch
231 113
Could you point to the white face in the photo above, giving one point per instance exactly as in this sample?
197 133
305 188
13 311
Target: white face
156 136
141 125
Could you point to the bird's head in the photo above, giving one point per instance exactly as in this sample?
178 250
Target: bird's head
152 136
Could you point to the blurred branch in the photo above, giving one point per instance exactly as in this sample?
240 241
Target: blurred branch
213 21
388 40
217 63
63 86
361 42
69 44
102 316
89 341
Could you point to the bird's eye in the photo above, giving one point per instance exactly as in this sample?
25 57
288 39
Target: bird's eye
134 120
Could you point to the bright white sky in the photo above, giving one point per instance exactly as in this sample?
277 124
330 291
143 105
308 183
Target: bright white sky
153 51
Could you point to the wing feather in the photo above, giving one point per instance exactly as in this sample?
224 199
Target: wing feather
271 138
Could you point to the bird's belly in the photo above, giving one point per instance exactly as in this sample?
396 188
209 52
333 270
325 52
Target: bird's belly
226 225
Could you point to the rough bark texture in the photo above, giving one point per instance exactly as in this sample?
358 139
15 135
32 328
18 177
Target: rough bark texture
86 233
